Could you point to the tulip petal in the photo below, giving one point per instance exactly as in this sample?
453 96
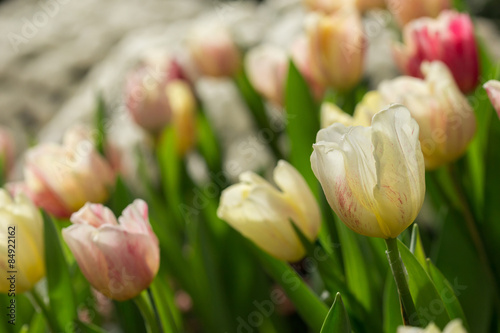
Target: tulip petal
135 219
132 260
307 215
261 215
400 186
493 89
94 215
80 239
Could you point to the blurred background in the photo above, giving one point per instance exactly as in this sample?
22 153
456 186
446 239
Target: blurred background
56 55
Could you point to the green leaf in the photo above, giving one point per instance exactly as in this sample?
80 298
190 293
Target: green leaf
100 124
416 246
170 316
427 300
87 328
58 277
302 124
337 319
129 316
312 310
392 307
445 289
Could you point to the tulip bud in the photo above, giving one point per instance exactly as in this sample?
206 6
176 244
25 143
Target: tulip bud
62 178
447 121
183 105
337 48
454 326
450 39
6 151
331 114
365 110
493 89
214 51
118 259
146 100
301 55
267 70
263 213
22 226
373 177
407 10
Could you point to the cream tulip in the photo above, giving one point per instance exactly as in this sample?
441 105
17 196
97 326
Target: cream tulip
263 214
454 326
62 178
337 48
22 247
447 121
493 89
119 258
330 114
373 177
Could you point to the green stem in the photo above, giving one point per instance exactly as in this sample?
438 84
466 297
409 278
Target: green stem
410 314
474 232
155 311
144 306
40 306
308 305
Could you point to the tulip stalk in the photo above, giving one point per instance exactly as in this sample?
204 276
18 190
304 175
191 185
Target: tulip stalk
410 314
40 305
147 308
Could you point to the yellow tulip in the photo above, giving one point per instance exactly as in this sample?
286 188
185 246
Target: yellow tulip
331 114
373 177
22 247
337 47
262 213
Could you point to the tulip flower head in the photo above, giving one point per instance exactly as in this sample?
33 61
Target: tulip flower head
330 6
449 39
6 151
62 178
262 213
454 326
213 50
119 259
267 68
447 121
337 48
373 177
493 89
146 94
20 219
407 10
330 114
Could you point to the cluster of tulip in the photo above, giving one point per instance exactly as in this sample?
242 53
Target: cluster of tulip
420 146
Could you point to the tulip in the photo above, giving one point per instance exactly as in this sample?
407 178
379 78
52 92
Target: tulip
214 51
373 177
371 103
267 70
493 89
454 326
62 178
22 227
146 99
450 39
263 213
119 259
301 56
407 10
331 114
183 104
337 48
447 121
6 151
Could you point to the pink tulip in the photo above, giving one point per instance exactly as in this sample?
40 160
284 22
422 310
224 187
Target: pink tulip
6 150
118 259
449 39
493 89
267 69
213 50
407 10
145 95
62 178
